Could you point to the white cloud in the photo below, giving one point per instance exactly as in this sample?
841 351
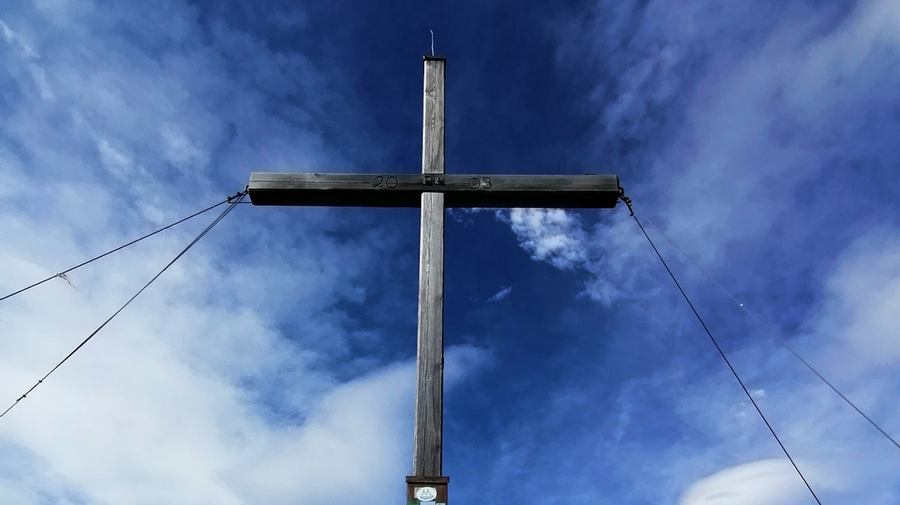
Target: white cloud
152 408
862 299
499 295
118 163
762 121
770 126
758 128
769 482
613 253
180 150
738 110
550 235
356 443
164 433
14 38
199 392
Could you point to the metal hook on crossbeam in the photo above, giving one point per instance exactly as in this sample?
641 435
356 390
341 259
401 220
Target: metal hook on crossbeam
237 195
625 199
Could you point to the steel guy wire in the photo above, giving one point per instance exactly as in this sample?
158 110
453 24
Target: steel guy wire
718 348
63 273
231 205
782 342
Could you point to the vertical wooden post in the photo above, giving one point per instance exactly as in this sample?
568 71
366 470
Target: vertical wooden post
430 339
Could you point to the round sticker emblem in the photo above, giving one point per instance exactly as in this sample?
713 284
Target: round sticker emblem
426 493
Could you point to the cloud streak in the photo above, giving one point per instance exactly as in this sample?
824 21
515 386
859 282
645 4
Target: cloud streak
218 384
767 482
746 125
499 295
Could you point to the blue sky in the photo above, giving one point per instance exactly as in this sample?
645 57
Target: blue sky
274 362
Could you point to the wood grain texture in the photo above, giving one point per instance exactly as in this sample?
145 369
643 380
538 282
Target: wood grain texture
430 340
433 116
427 448
460 190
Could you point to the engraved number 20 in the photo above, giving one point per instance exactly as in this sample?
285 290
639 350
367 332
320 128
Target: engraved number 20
381 181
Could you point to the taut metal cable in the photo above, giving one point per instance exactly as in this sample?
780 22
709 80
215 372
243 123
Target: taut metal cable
813 370
783 343
231 206
63 273
718 348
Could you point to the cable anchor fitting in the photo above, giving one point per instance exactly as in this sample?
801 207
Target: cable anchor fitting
237 195
626 200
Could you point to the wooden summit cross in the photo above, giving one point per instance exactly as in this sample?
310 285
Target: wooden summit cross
432 191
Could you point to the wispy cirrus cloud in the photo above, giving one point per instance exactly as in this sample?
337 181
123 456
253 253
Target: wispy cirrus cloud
744 132
218 384
499 295
760 483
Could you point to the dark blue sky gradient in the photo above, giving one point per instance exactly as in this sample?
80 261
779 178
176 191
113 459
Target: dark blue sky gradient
761 136
529 90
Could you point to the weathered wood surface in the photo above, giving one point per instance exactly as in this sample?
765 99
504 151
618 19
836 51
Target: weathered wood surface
405 190
432 191
427 454
430 340
433 116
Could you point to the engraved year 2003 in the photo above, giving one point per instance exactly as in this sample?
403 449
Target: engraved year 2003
385 182
483 183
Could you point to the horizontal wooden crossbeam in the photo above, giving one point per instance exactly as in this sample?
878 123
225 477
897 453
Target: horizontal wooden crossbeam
405 190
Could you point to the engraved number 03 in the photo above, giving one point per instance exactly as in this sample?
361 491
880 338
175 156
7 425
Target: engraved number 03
484 183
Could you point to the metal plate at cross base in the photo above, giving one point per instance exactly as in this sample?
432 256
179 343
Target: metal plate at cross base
426 490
